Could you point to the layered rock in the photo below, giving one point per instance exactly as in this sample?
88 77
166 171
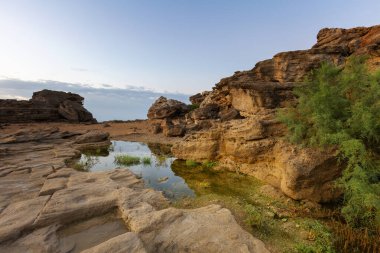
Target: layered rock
164 108
168 116
46 206
45 105
255 145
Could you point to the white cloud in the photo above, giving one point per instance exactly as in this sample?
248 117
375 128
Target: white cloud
5 96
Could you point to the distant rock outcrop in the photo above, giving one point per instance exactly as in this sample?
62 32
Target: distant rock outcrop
45 105
169 114
167 108
236 124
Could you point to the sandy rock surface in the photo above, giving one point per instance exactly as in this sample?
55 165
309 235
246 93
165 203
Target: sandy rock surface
45 206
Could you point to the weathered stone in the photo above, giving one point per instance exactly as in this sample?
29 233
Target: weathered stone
208 111
19 216
198 98
92 137
128 242
53 185
156 128
78 197
174 130
45 105
42 240
167 108
74 112
192 231
255 148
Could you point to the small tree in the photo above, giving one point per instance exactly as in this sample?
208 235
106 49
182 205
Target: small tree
341 107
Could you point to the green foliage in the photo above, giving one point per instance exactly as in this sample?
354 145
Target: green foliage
322 239
127 160
146 160
340 108
191 163
210 164
254 216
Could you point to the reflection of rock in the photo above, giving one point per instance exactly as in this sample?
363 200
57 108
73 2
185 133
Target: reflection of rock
46 105
203 180
160 149
29 222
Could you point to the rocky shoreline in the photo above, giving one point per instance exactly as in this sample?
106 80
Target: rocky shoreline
41 195
236 123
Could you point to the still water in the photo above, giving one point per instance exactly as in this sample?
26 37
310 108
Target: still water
157 175
175 178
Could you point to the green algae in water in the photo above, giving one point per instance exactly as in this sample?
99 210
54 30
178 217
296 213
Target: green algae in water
204 180
182 179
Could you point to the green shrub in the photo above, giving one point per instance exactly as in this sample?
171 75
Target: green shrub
146 160
341 108
322 239
254 216
191 163
127 160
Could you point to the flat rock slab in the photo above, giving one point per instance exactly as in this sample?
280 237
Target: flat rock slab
19 216
128 242
52 185
207 229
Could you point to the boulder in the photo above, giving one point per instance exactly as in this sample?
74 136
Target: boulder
55 98
74 112
45 105
167 108
92 136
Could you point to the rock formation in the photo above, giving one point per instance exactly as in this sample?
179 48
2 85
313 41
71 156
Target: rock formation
236 124
168 114
45 105
48 207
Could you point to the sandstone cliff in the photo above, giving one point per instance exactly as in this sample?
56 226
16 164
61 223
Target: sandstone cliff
236 124
45 105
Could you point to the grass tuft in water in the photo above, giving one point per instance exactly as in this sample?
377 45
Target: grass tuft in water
146 160
127 160
81 166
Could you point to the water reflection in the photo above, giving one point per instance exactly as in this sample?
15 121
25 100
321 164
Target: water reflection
157 175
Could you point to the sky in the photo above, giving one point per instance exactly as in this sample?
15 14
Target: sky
154 47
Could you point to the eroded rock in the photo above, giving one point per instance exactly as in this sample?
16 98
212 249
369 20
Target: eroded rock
45 105
167 108
72 200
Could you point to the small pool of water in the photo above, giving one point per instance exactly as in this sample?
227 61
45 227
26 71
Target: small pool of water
175 178
157 175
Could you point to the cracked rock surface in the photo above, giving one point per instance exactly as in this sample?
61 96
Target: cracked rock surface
46 206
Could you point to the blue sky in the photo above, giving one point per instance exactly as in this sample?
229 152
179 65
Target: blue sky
159 45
